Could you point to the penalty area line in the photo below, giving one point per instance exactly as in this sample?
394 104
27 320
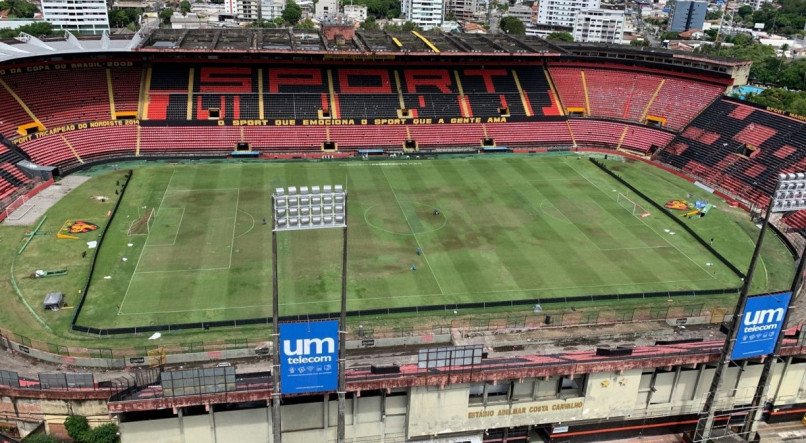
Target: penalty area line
648 226
143 249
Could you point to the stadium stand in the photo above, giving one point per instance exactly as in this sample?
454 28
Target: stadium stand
607 134
530 134
125 83
635 96
194 140
740 148
11 178
79 146
234 92
82 95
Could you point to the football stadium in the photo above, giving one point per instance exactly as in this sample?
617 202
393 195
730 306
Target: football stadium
456 237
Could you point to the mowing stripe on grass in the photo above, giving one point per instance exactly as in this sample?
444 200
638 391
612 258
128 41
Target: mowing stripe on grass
650 227
424 254
143 248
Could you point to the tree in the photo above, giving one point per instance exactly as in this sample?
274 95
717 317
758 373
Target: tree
743 39
184 7
561 37
77 427
409 26
292 12
380 8
38 29
792 101
641 42
40 438
669 36
781 17
713 15
745 11
511 25
106 433
79 430
263 24
165 15
19 8
370 24
306 25
124 17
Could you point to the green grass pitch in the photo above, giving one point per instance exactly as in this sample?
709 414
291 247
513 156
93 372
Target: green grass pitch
509 228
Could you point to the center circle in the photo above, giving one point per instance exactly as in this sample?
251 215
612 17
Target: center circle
416 218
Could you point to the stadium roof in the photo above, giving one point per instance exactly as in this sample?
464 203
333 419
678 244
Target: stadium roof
25 45
282 40
362 44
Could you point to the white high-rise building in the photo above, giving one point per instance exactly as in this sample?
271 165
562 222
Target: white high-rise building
79 16
326 8
599 26
426 14
356 12
247 9
562 12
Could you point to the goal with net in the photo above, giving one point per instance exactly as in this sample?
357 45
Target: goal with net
142 226
630 205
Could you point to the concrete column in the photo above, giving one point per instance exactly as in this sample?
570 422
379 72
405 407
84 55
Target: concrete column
211 418
180 418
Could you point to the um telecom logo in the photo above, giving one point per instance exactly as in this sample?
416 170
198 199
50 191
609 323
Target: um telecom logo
762 320
309 350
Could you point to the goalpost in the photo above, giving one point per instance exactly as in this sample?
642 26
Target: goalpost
142 226
635 209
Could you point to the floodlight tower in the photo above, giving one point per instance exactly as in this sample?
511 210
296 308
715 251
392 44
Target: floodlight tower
307 209
790 195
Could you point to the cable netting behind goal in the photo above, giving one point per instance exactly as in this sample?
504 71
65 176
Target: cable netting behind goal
142 226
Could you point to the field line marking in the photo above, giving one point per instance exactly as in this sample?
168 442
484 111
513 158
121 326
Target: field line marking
408 296
178 226
568 219
416 240
250 228
234 225
197 310
509 291
761 258
143 249
165 271
205 190
541 180
637 247
366 220
648 226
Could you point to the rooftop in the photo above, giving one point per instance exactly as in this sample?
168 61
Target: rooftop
285 39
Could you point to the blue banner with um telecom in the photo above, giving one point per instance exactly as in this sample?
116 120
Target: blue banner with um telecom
760 324
309 357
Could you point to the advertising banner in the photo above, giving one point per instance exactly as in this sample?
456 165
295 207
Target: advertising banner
309 357
760 324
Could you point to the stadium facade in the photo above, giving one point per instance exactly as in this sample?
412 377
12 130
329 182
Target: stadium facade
281 94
